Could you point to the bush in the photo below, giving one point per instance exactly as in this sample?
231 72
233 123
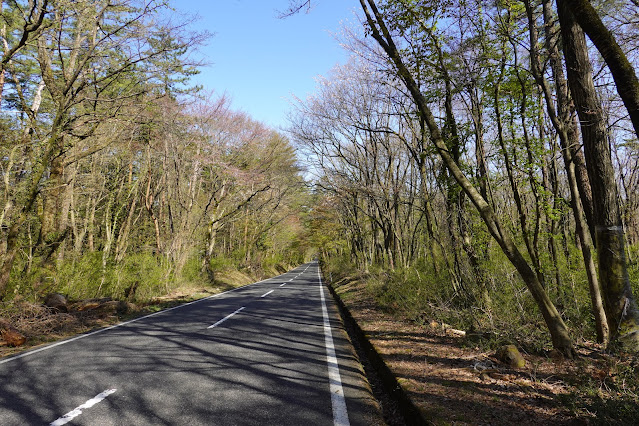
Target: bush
139 277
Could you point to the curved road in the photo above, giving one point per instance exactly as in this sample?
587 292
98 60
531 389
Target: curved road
272 352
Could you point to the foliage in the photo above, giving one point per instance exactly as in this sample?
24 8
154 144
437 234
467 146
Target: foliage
440 147
120 178
421 295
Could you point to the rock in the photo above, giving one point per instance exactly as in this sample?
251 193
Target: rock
509 354
56 301
11 335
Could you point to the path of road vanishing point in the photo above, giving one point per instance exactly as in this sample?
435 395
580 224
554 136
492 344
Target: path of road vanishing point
269 353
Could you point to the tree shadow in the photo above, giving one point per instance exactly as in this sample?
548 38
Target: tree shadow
266 365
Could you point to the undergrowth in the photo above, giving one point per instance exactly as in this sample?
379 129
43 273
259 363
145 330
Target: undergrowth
606 392
138 277
496 304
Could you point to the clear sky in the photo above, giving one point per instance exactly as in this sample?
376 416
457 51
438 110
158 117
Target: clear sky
261 61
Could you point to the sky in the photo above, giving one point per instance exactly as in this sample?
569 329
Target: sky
262 62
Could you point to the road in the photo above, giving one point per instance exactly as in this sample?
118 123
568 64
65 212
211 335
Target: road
272 352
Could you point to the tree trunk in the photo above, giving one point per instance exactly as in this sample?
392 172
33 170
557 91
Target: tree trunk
621 310
565 126
621 69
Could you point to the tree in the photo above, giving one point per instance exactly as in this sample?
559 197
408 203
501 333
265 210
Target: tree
621 309
564 123
379 31
95 60
622 70
21 24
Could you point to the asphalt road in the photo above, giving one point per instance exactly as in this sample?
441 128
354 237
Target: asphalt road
270 353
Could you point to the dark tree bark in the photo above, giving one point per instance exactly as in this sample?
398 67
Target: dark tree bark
621 310
566 114
621 69
565 126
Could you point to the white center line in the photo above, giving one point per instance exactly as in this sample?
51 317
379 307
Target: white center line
225 318
282 285
267 293
77 411
340 415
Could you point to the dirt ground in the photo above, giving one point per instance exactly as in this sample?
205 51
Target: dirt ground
453 382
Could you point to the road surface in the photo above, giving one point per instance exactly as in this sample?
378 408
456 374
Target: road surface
272 352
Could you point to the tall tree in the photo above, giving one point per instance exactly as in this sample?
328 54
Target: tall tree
564 124
376 23
96 58
585 15
621 308
21 23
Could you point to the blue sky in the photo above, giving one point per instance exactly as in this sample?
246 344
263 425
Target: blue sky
261 61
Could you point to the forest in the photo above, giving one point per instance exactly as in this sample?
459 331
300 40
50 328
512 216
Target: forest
476 161
482 160
120 178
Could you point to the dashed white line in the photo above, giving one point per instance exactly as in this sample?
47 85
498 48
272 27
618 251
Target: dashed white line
77 411
282 285
267 293
225 318
340 414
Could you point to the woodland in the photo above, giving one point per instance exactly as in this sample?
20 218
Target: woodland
120 178
474 162
482 158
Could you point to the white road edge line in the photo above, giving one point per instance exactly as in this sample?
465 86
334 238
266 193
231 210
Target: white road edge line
267 293
82 336
225 318
77 411
340 414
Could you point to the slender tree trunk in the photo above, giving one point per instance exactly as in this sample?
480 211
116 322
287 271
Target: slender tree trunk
531 245
564 124
553 183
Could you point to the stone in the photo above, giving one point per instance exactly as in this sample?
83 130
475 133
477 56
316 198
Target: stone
11 335
56 301
509 354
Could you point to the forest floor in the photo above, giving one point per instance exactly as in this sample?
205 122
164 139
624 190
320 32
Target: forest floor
453 381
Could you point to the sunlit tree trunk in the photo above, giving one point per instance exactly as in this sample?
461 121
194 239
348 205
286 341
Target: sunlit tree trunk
564 124
621 309
585 15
